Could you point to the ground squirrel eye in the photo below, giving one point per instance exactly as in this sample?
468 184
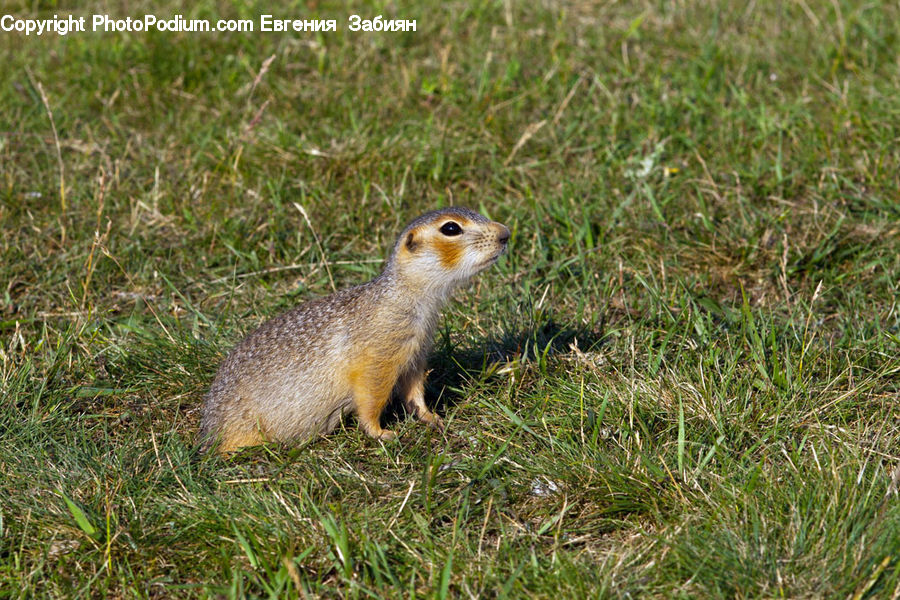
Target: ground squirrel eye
451 228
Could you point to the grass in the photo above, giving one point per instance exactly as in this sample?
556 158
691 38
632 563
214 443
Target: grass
682 381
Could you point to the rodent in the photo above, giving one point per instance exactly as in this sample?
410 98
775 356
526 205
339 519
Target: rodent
297 374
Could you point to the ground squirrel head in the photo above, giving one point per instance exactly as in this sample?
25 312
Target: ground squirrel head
443 249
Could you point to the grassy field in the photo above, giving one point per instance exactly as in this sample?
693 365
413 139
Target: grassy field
682 381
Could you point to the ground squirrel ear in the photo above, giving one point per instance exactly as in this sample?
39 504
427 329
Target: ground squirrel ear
411 242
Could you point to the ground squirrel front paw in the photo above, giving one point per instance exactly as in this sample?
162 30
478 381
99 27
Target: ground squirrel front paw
387 435
434 421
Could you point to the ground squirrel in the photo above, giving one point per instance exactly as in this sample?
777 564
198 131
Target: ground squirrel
297 374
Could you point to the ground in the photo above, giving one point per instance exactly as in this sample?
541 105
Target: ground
682 380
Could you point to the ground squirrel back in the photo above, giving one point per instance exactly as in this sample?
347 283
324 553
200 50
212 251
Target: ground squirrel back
297 374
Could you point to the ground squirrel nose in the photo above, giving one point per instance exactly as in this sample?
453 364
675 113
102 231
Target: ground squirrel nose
504 235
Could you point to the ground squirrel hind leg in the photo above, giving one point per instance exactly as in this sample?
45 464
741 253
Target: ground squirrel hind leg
231 440
412 390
